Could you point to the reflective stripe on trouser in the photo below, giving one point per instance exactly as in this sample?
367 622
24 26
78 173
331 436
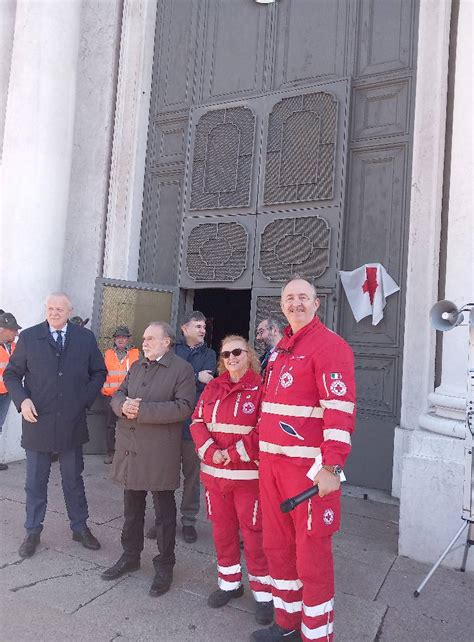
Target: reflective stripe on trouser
237 507
299 552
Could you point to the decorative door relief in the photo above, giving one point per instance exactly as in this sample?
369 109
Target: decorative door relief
301 145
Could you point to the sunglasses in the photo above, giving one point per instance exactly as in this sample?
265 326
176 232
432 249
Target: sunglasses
236 352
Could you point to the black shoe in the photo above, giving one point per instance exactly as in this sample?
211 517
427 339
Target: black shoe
54 457
86 538
3 467
189 534
221 598
276 634
162 583
264 613
28 547
151 533
124 565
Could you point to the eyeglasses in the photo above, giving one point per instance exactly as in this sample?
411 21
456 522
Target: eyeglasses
261 331
236 352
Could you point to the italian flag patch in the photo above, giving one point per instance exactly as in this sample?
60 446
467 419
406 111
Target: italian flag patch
336 375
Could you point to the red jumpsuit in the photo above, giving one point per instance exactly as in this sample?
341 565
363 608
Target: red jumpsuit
307 417
224 417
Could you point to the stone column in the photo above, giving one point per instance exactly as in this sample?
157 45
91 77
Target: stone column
122 241
433 468
36 163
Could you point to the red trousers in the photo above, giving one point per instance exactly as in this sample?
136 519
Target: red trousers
298 548
230 507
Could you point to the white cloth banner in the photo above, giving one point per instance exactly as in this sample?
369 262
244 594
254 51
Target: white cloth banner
366 289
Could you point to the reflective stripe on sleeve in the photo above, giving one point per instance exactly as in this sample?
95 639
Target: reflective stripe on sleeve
336 404
240 448
317 633
289 607
309 452
202 450
222 473
292 411
233 429
335 434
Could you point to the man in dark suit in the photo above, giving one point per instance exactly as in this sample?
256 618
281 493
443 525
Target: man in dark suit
53 376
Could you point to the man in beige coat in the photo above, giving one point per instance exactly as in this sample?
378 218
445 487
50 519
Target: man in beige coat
157 395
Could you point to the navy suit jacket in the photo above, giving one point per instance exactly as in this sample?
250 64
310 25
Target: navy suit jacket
61 385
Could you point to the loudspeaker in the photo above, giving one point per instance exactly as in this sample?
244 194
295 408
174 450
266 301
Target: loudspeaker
445 315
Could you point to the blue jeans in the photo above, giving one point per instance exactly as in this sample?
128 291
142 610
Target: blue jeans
4 405
38 466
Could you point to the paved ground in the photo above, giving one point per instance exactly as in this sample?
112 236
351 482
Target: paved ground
58 594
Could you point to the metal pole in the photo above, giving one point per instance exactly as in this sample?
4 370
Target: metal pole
445 552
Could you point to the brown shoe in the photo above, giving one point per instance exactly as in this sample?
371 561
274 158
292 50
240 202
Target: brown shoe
28 547
109 457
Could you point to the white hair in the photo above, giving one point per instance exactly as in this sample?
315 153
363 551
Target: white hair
58 295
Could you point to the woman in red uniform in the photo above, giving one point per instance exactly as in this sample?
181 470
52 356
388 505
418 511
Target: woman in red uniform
227 444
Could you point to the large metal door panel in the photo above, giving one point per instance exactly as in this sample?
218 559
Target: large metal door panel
217 252
304 242
304 147
235 38
312 41
222 164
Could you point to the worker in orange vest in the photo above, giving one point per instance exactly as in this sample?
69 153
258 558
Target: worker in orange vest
8 333
117 361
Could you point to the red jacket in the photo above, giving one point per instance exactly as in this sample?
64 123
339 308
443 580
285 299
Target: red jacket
224 419
308 406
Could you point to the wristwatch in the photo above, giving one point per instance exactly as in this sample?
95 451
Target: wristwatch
335 470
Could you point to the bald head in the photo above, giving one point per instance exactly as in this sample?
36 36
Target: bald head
299 303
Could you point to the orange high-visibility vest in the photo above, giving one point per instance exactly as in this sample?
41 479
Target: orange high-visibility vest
117 370
4 359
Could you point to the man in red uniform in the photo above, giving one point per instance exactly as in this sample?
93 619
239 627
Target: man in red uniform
305 428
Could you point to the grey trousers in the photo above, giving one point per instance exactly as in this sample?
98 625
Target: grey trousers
190 466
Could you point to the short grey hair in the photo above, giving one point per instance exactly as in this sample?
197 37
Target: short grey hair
166 329
194 315
61 295
298 277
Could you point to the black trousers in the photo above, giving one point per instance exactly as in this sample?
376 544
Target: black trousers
110 424
132 531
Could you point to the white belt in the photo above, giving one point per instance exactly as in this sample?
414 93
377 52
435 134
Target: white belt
310 452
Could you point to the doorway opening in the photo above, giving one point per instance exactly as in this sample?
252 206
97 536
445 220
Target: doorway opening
226 311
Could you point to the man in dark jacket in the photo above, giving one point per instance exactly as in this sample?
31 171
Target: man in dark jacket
53 376
203 360
152 403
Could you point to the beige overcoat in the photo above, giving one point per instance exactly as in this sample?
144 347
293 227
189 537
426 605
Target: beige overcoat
148 448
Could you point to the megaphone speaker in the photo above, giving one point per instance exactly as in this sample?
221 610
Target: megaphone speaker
445 315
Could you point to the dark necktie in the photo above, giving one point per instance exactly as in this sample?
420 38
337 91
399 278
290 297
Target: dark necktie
59 340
